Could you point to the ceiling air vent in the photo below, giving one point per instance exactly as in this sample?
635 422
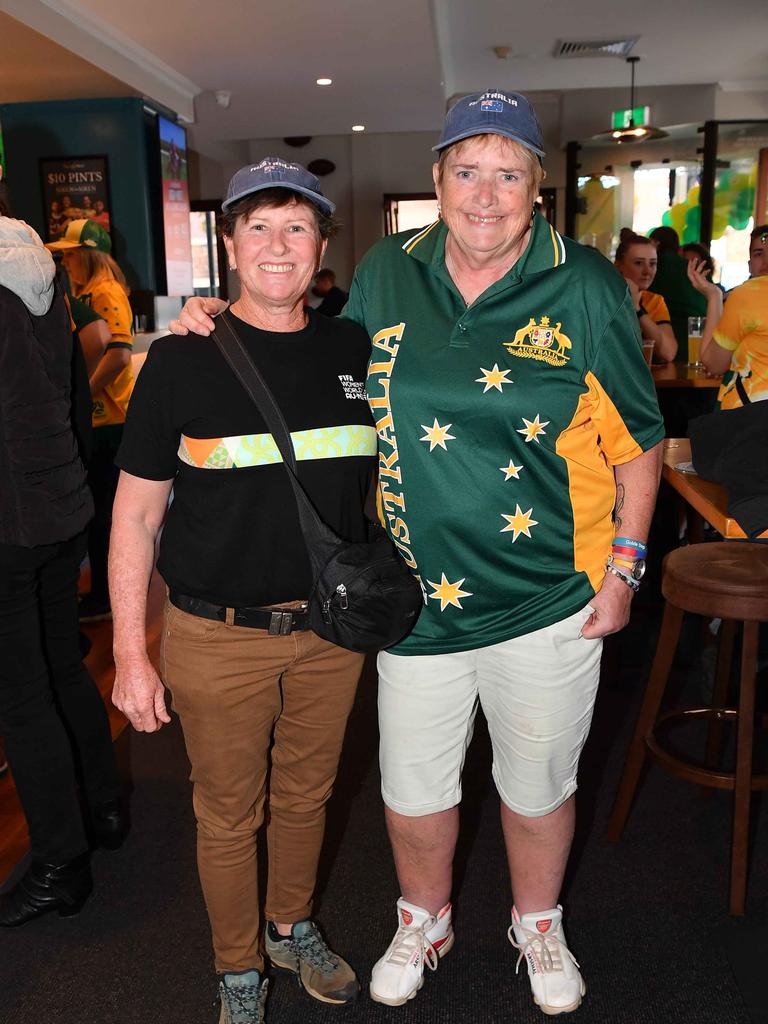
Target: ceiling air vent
601 48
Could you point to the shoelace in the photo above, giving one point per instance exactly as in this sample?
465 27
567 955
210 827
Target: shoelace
240 1001
547 949
313 948
404 943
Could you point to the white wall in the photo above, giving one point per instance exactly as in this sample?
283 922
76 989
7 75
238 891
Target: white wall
382 164
741 106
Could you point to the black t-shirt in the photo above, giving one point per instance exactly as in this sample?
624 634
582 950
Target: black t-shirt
232 534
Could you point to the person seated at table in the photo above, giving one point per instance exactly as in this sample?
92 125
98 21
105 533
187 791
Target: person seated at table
674 287
735 341
636 259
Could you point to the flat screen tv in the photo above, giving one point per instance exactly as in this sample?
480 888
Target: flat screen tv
178 246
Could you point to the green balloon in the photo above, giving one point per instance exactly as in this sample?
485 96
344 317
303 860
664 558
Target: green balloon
692 224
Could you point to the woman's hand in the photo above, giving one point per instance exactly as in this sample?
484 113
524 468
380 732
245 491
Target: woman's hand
612 605
196 316
699 278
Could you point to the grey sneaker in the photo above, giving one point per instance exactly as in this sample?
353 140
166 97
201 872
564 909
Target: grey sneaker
243 996
321 972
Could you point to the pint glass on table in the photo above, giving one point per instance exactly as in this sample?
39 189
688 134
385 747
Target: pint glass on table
695 331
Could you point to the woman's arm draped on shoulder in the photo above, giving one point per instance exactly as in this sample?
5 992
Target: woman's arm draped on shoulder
196 316
138 513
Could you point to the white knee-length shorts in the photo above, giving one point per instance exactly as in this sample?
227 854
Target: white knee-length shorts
537 693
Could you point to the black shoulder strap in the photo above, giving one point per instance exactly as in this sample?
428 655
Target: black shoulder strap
320 539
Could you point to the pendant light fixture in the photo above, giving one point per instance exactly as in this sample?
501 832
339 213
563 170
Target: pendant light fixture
632 133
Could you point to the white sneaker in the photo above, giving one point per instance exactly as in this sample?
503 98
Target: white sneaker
553 972
421 938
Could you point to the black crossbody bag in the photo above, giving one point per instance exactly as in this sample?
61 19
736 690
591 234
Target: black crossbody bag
363 597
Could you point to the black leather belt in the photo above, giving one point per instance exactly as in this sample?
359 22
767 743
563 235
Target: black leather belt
276 621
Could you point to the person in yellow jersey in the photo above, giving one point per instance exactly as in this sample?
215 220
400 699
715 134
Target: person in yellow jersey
636 259
98 281
735 339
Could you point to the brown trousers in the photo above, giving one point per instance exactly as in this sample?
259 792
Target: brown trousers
263 719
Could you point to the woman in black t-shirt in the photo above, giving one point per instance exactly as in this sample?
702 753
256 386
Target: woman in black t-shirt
258 693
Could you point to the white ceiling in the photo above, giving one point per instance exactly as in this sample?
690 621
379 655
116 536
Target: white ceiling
393 63
33 67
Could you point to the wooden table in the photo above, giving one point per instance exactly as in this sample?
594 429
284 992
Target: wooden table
678 375
705 497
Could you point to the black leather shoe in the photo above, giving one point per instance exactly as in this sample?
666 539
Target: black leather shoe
45 888
109 823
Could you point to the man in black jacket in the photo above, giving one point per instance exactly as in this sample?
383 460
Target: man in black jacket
334 299
46 692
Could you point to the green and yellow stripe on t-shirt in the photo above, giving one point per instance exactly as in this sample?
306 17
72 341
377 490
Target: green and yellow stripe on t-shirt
244 451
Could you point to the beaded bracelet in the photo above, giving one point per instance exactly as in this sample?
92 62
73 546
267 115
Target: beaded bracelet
632 584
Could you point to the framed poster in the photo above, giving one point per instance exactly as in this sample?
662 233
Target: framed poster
176 231
74 188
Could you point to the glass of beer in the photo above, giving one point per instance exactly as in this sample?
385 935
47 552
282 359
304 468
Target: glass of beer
648 350
695 331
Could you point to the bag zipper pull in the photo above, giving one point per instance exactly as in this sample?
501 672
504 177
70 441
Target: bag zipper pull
341 590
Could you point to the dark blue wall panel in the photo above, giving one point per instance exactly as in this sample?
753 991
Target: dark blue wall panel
115 128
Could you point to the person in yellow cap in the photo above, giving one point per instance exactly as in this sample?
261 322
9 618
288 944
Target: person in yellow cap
98 281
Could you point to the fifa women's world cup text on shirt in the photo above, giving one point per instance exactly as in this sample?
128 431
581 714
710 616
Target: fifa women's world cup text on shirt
743 330
499 425
232 535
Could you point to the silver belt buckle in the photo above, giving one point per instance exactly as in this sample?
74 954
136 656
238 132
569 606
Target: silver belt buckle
280 623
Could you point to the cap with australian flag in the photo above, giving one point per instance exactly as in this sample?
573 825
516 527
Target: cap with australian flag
493 113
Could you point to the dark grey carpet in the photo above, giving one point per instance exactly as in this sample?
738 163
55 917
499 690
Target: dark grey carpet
647 918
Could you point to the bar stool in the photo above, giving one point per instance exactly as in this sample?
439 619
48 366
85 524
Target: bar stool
721 580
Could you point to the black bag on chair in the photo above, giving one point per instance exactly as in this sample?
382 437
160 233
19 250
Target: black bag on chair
729 446
363 597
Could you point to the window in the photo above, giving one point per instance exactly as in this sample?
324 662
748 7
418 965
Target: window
209 261
409 211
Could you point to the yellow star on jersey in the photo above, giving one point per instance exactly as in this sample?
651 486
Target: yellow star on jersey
448 593
532 429
493 378
437 435
511 472
520 522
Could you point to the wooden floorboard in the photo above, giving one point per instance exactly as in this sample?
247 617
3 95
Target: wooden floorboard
14 840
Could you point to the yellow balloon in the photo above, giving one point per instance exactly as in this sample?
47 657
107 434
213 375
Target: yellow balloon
677 215
719 223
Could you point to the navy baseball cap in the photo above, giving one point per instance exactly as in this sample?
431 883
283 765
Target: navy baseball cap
272 172
493 113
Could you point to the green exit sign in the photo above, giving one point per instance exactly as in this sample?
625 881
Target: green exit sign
638 115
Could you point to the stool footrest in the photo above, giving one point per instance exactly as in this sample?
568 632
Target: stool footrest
682 767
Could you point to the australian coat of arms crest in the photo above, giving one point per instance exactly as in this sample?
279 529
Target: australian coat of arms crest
541 341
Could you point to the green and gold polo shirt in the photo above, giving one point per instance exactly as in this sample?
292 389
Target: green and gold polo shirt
499 425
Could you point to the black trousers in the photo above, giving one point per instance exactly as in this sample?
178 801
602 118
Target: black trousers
51 713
